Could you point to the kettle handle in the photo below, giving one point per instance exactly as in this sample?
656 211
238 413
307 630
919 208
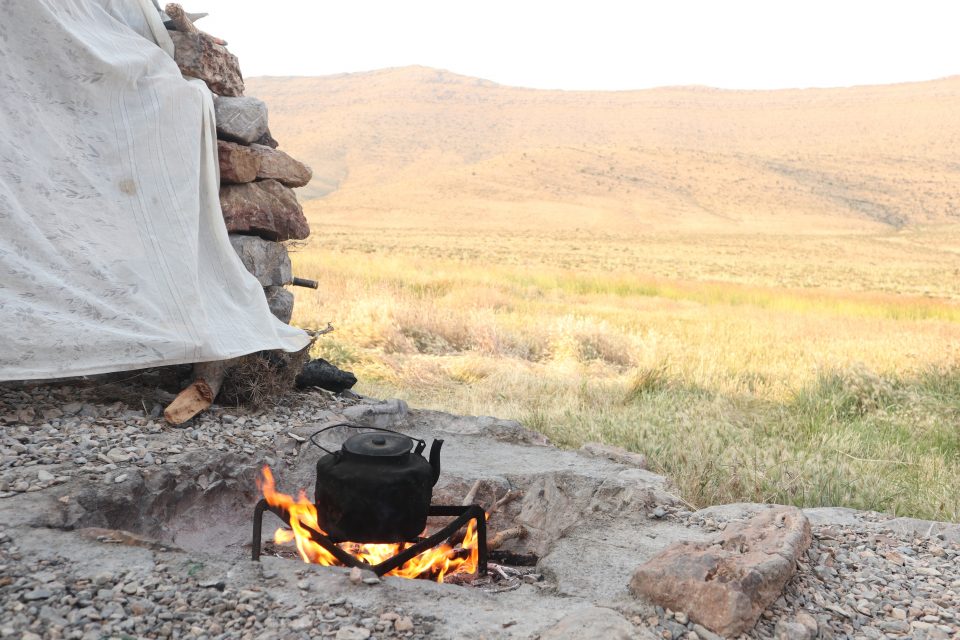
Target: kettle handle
421 444
435 460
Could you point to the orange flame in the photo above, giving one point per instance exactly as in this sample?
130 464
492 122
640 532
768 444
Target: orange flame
435 563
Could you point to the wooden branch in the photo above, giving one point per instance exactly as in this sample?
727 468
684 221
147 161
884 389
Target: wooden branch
179 18
472 494
508 497
514 533
320 332
199 394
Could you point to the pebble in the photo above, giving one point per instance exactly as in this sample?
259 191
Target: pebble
403 624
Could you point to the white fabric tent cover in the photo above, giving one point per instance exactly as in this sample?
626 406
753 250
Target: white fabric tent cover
113 251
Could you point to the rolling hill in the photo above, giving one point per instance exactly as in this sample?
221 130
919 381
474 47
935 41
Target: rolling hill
423 148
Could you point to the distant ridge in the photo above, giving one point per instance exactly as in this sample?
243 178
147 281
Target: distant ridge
416 146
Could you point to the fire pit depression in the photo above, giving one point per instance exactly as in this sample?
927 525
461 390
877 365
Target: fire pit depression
433 558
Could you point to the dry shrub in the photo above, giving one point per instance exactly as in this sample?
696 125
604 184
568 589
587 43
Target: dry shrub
847 394
646 380
584 339
259 378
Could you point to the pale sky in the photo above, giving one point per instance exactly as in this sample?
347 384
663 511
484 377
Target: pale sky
600 44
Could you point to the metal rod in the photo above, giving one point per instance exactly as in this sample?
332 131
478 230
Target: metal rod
257 527
427 543
304 282
463 515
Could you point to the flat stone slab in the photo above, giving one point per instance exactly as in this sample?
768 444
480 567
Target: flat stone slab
240 119
725 583
278 165
265 208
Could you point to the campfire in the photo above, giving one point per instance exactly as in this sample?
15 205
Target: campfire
372 501
435 563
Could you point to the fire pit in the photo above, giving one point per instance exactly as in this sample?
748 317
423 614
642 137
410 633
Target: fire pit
372 501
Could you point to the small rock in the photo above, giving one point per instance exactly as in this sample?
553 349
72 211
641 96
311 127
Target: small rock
44 476
403 624
790 631
352 633
808 621
120 478
37 594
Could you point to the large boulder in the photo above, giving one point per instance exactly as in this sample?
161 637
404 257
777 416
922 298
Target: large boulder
725 583
240 119
267 261
266 208
277 165
238 163
199 56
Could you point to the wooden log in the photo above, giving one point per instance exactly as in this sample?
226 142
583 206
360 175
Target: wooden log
508 497
199 394
472 494
179 18
513 533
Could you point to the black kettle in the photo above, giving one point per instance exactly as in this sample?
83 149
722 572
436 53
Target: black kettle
376 488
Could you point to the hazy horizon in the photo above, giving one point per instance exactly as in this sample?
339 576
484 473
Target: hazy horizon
335 74
742 44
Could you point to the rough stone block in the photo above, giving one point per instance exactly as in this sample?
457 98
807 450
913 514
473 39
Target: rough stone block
280 302
266 208
725 583
238 163
267 261
199 56
278 165
240 119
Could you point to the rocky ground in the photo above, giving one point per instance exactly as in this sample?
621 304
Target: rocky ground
80 463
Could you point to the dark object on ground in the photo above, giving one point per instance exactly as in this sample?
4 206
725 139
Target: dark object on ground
320 373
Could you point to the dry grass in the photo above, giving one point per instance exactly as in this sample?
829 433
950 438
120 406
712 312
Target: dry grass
758 387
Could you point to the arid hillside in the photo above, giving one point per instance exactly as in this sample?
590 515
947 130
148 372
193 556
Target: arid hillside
419 147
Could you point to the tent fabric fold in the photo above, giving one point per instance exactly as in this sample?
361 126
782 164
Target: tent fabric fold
113 251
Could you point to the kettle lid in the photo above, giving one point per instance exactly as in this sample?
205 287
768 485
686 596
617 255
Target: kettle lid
378 444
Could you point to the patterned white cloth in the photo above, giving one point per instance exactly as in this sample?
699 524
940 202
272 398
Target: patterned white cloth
113 251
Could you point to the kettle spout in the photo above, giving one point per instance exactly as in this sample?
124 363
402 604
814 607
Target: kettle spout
435 459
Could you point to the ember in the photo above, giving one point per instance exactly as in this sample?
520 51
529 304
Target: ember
435 563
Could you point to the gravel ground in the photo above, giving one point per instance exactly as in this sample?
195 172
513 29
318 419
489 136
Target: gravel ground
52 433
868 581
45 598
